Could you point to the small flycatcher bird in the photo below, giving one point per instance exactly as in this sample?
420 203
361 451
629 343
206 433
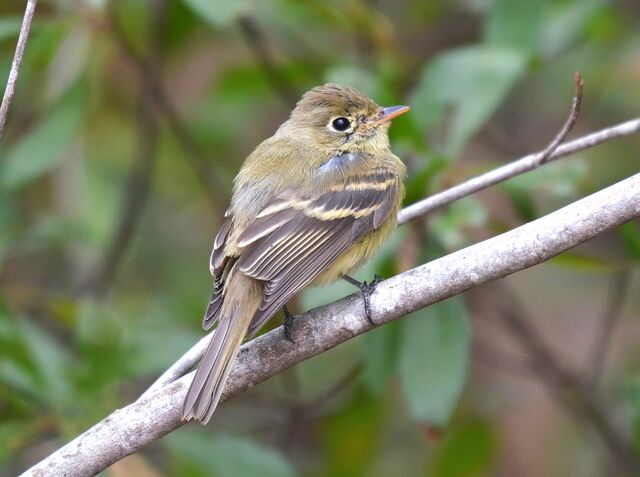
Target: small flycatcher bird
310 204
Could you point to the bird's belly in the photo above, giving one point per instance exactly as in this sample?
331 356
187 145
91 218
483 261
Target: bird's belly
357 254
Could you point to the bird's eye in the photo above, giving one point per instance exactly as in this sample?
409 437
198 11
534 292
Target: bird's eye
341 124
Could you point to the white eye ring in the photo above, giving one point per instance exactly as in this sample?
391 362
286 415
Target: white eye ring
341 124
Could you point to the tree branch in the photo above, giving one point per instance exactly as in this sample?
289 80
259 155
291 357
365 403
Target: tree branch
10 89
446 197
129 429
513 169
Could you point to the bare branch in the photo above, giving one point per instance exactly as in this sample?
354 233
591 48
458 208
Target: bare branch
574 112
181 367
524 164
129 429
441 199
10 89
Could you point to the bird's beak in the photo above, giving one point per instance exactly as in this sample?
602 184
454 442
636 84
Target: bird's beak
390 112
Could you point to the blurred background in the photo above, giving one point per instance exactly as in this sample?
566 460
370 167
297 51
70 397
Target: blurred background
131 119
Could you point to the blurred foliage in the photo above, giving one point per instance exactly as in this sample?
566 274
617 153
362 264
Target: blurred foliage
125 109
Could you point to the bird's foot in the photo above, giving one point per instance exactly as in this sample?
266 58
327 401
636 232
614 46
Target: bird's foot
288 323
366 289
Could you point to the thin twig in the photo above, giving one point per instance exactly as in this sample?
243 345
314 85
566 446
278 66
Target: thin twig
178 369
525 164
129 429
513 169
610 318
571 390
574 112
10 89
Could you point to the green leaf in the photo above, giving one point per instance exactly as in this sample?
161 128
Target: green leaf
543 28
564 22
9 27
631 236
462 88
14 434
522 202
379 350
434 359
516 24
470 449
228 456
583 262
419 183
53 363
41 149
448 226
351 438
17 368
69 62
632 388
351 75
218 12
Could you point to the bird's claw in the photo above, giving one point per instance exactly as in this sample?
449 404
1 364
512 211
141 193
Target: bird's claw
288 324
366 289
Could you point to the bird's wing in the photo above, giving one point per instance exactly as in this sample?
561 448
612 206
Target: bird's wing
294 239
220 265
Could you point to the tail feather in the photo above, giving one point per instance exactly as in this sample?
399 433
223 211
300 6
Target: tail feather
242 299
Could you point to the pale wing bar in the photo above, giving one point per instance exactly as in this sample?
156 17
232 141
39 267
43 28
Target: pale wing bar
294 240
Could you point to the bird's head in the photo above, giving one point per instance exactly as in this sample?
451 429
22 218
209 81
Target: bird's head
342 118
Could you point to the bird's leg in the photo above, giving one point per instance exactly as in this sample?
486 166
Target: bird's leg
288 323
366 289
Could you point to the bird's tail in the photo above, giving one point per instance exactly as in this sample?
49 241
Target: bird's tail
242 298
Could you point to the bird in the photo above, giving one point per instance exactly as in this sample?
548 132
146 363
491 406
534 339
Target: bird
309 205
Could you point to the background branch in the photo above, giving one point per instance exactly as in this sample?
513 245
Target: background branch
607 324
10 89
133 201
136 189
129 429
74 153
151 79
569 388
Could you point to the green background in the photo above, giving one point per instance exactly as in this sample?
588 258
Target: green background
131 119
